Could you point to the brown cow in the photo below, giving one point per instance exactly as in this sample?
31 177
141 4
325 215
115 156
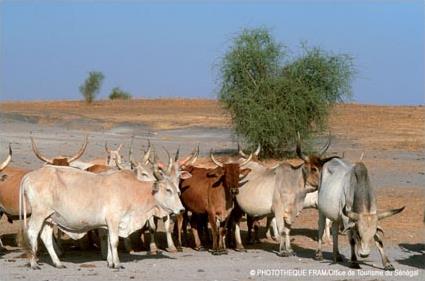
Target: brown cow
211 192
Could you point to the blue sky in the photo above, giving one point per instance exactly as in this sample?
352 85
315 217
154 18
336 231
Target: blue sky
166 49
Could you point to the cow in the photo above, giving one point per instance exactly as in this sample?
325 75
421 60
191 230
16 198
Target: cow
309 202
177 168
78 201
172 168
346 197
212 192
279 192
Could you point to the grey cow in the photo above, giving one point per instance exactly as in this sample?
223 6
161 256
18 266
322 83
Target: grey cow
346 196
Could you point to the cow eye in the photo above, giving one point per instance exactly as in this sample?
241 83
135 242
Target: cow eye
169 190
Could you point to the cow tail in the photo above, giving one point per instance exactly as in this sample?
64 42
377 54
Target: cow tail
22 235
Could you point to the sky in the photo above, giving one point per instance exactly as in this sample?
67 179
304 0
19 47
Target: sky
172 49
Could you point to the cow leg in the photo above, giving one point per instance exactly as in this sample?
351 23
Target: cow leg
213 223
35 225
2 248
285 249
236 216
194 226
271 225
353 262
113 261
327 235
153 249
250 223
104 243
47 238
59 241
128 245
335 231
319 254
178 228
170 243
222 237
385 261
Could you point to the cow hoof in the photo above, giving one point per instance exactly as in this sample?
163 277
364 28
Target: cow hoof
355 265
286 254
153 253
200 249
119 267
60 266
215 252
389 267
179 249
318 256
171 250
240 249
35 267
223 252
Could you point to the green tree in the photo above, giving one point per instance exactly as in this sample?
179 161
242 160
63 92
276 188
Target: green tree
271 96
118 94
91 86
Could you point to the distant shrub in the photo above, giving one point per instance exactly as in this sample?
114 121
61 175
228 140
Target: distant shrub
271 97
91 86
118 94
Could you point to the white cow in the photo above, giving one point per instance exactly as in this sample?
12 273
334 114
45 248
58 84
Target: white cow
346 197
78 201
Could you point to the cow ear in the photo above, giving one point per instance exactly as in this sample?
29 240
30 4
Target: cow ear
184 175
245 172
215 173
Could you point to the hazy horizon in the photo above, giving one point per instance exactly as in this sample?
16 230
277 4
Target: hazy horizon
169 49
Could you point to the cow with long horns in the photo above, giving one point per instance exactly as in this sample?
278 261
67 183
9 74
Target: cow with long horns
346 197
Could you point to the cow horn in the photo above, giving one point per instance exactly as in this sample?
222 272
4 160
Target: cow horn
326 146
147 153
130 150
246 161
118 165
7 161
324 160
119 147
170 162
361 157
352 215
390 213
106 147
195 156
134 163
177 154
156 172
191 158
299 151
214 160
38 154
241 153
81 151
257 151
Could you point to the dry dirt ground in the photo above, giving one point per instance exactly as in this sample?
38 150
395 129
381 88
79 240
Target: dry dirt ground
391 137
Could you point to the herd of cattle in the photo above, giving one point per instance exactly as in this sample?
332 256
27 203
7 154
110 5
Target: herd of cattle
112 198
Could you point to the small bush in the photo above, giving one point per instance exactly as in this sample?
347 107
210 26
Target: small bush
118 94
91 86
271 97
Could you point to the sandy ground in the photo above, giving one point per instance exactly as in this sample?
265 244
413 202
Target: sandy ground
396 165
